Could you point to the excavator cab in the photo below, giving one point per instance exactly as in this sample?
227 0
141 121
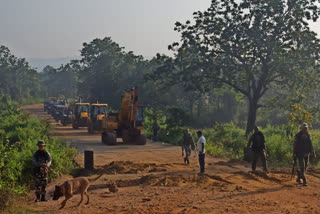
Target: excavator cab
80 115
97 114
127 124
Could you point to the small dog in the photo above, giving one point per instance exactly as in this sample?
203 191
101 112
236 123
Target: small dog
67 189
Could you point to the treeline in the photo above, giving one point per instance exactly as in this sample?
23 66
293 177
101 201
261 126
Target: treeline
106 69
17 78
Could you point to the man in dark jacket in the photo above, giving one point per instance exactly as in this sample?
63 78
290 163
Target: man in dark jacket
155 129
258 147
302 148
187 145
41 161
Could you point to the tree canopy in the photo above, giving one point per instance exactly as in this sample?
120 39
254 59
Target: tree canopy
17 78
249 46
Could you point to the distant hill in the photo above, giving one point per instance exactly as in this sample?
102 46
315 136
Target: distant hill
40 63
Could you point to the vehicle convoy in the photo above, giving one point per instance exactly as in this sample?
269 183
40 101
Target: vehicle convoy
81 115
66 117
58 112
48 102
97 113
127 124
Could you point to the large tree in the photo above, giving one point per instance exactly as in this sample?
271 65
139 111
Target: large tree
250 46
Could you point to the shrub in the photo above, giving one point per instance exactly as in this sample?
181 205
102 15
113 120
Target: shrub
18 138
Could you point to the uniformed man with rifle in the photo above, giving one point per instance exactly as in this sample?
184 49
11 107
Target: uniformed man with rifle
187 145
257 144
41 161
302 148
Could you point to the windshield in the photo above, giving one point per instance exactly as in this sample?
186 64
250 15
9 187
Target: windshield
82 109
99 110
139 116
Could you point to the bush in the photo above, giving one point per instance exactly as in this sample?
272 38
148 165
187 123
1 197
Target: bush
229 141
171 122
225 140
18 137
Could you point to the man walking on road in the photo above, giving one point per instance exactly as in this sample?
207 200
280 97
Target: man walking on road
187 145
41 161
302 148
155 129
201 150
258 147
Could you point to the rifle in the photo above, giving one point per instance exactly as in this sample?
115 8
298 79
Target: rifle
294 165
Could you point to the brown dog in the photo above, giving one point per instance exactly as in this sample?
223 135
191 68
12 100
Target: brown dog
67 189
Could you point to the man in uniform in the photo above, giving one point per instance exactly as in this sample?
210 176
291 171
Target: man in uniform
201 150
155 129
258 147
302 148
41 161
187 145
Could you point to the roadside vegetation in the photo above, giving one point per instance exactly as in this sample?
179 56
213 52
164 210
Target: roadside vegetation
228 140
19 134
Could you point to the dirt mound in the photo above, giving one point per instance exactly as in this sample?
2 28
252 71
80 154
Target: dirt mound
175 181
128 167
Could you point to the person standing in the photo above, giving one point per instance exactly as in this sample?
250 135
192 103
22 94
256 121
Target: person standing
258 147
201 151
302 148
41 161
155 129
187 145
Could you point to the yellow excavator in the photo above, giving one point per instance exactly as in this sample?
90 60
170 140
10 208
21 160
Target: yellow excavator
127 124
80 115
97 113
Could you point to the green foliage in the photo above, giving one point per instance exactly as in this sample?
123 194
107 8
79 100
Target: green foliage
225 140
249 46
171 122
18 137
17 78
228 141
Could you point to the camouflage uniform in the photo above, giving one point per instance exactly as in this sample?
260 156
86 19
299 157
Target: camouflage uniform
259 150
301 149
187 145
41 162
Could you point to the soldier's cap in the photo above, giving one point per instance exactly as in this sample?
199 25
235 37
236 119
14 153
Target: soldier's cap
41 143
304 125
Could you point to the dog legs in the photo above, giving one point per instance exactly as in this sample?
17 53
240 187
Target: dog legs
81 199
65 201
86 193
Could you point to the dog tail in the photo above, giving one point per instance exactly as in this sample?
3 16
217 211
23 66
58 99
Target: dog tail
94 179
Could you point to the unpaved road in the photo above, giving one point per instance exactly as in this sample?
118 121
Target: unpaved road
153 179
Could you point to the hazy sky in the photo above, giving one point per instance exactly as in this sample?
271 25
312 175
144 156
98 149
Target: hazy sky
57 28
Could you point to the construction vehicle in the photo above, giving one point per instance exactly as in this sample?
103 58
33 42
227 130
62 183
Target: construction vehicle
97 113
58 112
80 115
127 124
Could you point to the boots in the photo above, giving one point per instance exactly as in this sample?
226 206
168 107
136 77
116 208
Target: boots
43 197
38 197
304 182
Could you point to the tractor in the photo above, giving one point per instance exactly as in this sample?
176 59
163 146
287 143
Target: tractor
127 124
97 113
80 115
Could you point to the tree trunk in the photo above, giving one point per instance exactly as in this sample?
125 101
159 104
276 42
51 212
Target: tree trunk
252 115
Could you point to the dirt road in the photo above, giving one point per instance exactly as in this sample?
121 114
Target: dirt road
153 179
